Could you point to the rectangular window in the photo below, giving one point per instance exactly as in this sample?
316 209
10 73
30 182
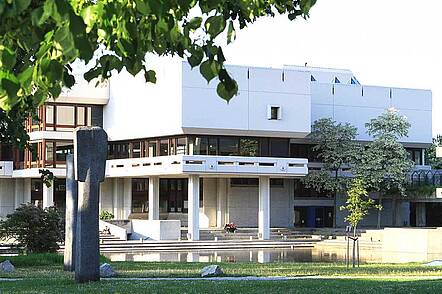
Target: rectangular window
212 146
164 147
151 149
49 153
62 149
200 146
81 116
136 150
65 115
248 147
228 146
279 147
50 114
181 146
273 112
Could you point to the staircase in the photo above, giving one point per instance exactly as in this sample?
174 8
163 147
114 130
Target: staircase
249 234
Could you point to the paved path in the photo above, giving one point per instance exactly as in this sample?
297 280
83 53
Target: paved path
252 278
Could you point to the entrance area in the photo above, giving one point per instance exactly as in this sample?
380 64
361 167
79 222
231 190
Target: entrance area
314 217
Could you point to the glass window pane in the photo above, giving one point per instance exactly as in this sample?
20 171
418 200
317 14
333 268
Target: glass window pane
228 146
248 147
50 114
65 115
81 112
62 149
89 116
136 149
213 146
181 146
164 147
200 146
50 151
151 149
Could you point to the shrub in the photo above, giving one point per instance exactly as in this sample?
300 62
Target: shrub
38 230
106 215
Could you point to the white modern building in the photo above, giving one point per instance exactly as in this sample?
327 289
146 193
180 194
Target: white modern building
178 151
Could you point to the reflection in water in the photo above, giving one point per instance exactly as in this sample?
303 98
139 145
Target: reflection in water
262 256
273 255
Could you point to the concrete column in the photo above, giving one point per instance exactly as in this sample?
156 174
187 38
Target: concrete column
264 208
154 198
48 195
194 207
117 198
221 202
127 200
423 156
19 192
27 190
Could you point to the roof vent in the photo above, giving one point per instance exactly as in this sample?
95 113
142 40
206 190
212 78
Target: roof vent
312 78
337 81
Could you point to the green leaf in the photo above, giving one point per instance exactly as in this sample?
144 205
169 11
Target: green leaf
227 89
215 25
196 58
7 58
231 33
209 70
306 5
194 23
150 76
143 7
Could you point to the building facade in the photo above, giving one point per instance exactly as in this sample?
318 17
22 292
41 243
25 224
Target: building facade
178 151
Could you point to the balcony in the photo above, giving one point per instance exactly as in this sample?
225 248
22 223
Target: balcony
6 168
177 165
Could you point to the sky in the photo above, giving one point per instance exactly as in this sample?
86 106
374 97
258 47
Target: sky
395 43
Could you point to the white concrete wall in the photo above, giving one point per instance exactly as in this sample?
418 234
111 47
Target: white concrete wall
205 112
371 220
137 109
7 199
208 211
243 205
106 195
358 104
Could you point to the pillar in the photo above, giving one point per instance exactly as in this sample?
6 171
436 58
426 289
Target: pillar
117 198
127 199
19 192
27 190
154 198
48 195
221 202
264 208
194 207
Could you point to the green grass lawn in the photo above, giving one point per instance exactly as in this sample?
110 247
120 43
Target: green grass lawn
44 274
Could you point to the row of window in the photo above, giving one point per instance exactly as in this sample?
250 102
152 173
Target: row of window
60 117
200 145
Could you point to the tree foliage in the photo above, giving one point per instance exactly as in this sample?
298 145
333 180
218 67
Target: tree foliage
430 155
358 203
336 147
384 164
36 229
40 39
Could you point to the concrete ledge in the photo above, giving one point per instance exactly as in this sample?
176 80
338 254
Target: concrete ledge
117 231
156 229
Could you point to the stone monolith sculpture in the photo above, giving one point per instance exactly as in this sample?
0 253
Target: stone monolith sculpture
90 152
71 215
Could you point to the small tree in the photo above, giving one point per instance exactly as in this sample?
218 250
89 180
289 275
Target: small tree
358 205
36 229
385 164
337 148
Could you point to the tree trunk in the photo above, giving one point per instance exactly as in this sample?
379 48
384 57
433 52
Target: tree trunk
335 210
379 211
